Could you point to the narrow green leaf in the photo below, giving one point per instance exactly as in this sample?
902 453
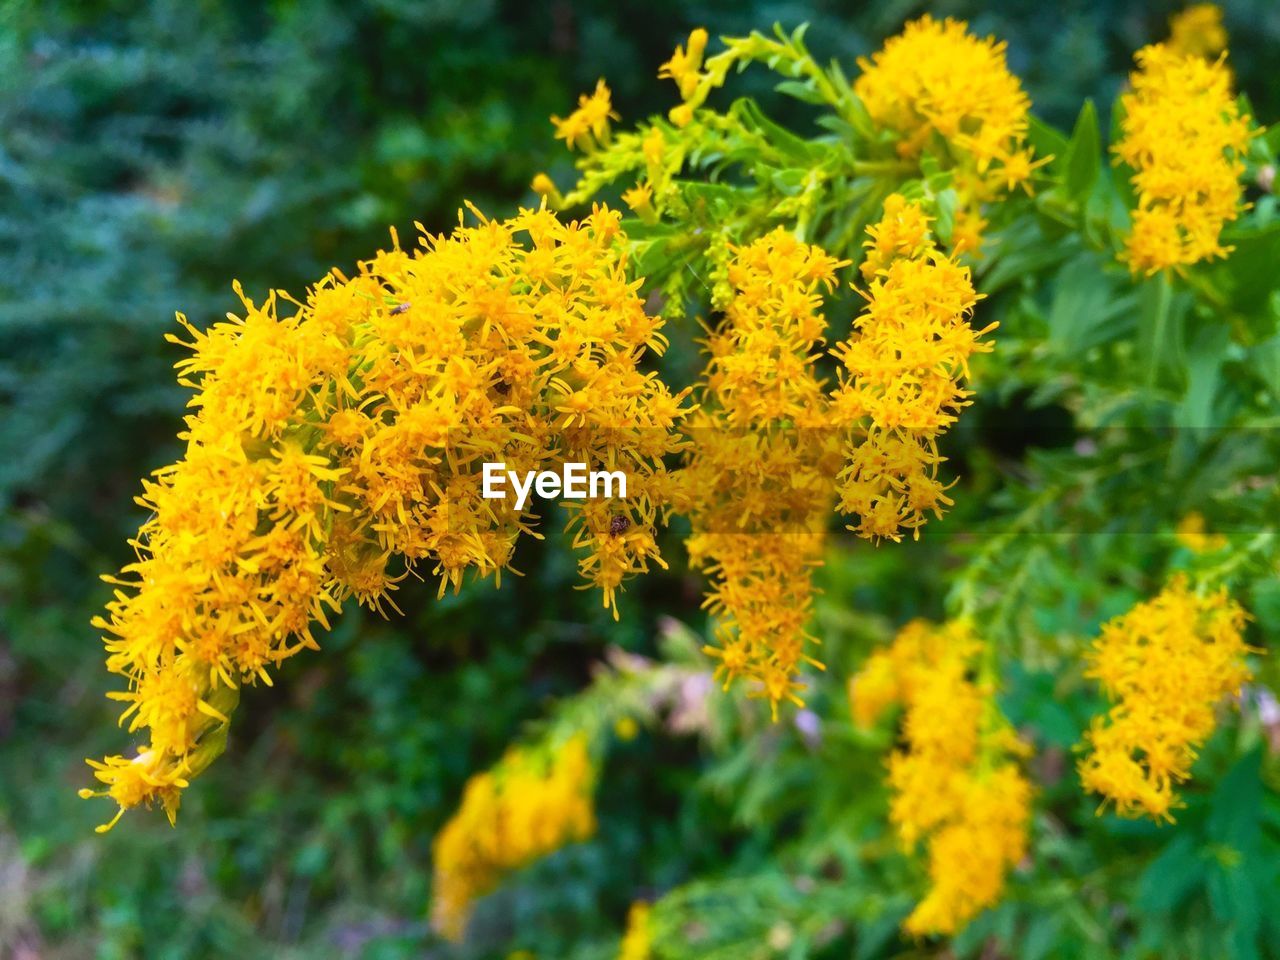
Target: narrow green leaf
1084 153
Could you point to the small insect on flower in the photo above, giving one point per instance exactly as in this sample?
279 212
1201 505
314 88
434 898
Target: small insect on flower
618 525
400 308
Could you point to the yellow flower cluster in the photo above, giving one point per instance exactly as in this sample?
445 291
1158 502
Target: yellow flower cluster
758 479
696 81
1165 665
1183 136
955 786
770 435
334 451
637 941
1192 533
903 368
949 94
1198 31
588 126
526 807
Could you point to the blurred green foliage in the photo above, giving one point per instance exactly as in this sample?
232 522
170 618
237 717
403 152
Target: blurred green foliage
151 152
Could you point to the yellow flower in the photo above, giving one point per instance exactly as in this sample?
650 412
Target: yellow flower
626 729
936 79
954 785
1165 665
1198 31
1183 135
903 369
334 452
142 780
685 64
543 185
681 115
970 856
526 807
588 126
637 942
966 234
1191 533
640 199
757 482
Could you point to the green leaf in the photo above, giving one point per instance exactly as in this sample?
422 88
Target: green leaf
1204 377
1084 152
1047 141
1086 310
803 90
1172 876
1159 326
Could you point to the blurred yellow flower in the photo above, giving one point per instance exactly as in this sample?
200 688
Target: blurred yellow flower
1198 31
1165 666
637 941
1192 534
588 126
526 807
954 785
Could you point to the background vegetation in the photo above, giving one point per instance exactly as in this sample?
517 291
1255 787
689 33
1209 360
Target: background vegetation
149 153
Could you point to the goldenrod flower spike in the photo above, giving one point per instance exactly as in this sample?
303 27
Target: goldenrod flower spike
1184 137
637 941
757 485
956 786
332 452
950 95
524 808
1165 666
903 370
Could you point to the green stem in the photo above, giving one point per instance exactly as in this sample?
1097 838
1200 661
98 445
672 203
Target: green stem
1164 296
880 167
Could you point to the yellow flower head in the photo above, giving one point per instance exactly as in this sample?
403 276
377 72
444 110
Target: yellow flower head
1165 665
1198 31
526 807
332 452
955 787
588 126
904 365
637 942
758 476
1192 534
685 64
935 78
1184 137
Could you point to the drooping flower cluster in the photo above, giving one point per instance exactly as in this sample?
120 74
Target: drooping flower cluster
1165 665
1198 31
758 482
949 95
334 451
902 373
1184 136
954 785
774 448
529 805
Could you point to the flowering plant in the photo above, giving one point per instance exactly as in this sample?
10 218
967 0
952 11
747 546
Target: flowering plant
844 291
